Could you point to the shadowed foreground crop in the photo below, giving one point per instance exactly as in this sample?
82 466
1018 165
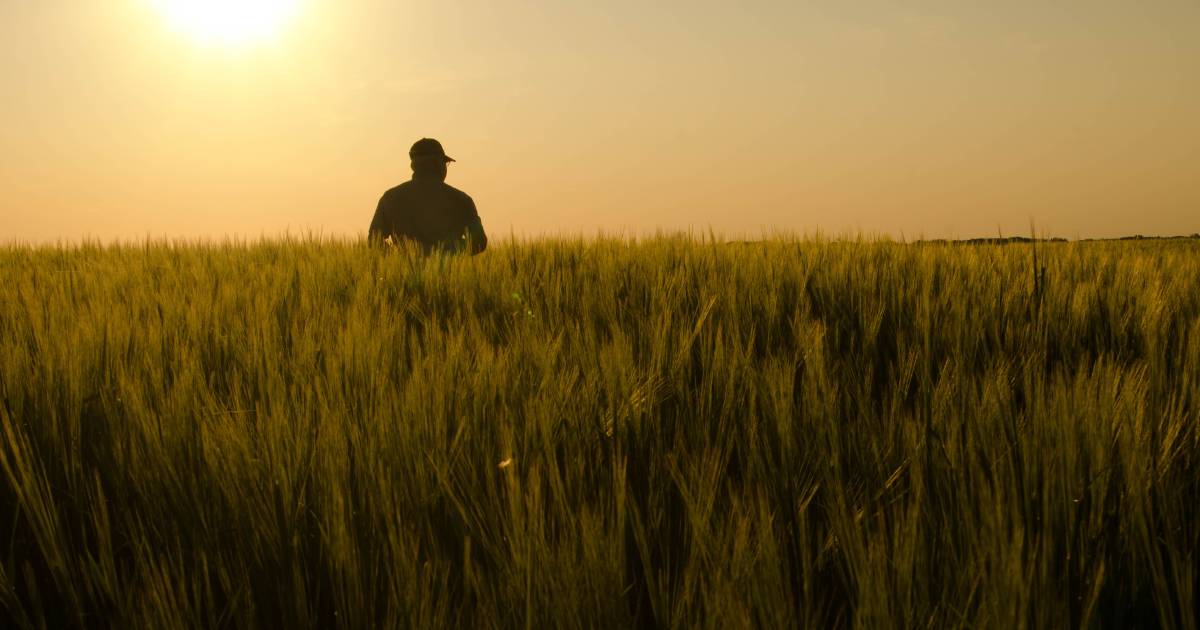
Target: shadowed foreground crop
601 434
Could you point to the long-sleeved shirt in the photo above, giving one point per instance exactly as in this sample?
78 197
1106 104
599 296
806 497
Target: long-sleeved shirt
432 213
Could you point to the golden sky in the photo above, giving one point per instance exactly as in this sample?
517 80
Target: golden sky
128 118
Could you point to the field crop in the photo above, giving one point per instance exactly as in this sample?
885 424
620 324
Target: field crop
600 433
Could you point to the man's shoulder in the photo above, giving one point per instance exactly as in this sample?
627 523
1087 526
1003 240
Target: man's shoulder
411 190
458 194
397 190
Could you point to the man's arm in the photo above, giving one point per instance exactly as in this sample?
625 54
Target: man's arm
476 238
380 228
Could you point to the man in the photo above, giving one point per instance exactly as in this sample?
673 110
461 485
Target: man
426 210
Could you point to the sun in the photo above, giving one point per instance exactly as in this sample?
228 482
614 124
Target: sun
228 22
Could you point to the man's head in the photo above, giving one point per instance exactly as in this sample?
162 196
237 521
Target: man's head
428 158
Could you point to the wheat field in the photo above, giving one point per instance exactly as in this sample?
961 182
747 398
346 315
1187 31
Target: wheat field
600 433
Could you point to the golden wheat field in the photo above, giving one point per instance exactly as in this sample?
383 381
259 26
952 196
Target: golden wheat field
600 433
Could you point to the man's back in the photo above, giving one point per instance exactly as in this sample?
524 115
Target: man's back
433 213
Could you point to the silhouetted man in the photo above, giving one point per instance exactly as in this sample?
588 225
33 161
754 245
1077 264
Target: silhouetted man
427 210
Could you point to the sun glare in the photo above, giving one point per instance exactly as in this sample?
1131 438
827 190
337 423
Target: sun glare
228 22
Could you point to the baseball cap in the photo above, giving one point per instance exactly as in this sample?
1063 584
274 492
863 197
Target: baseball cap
428 148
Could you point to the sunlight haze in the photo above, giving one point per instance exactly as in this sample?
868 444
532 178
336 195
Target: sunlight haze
176 118
228 22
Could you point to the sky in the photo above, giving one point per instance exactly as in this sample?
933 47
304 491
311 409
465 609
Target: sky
127 119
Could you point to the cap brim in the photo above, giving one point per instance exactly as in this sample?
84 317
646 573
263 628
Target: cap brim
450 159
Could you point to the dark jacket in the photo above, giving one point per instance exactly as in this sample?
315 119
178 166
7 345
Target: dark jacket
430 212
